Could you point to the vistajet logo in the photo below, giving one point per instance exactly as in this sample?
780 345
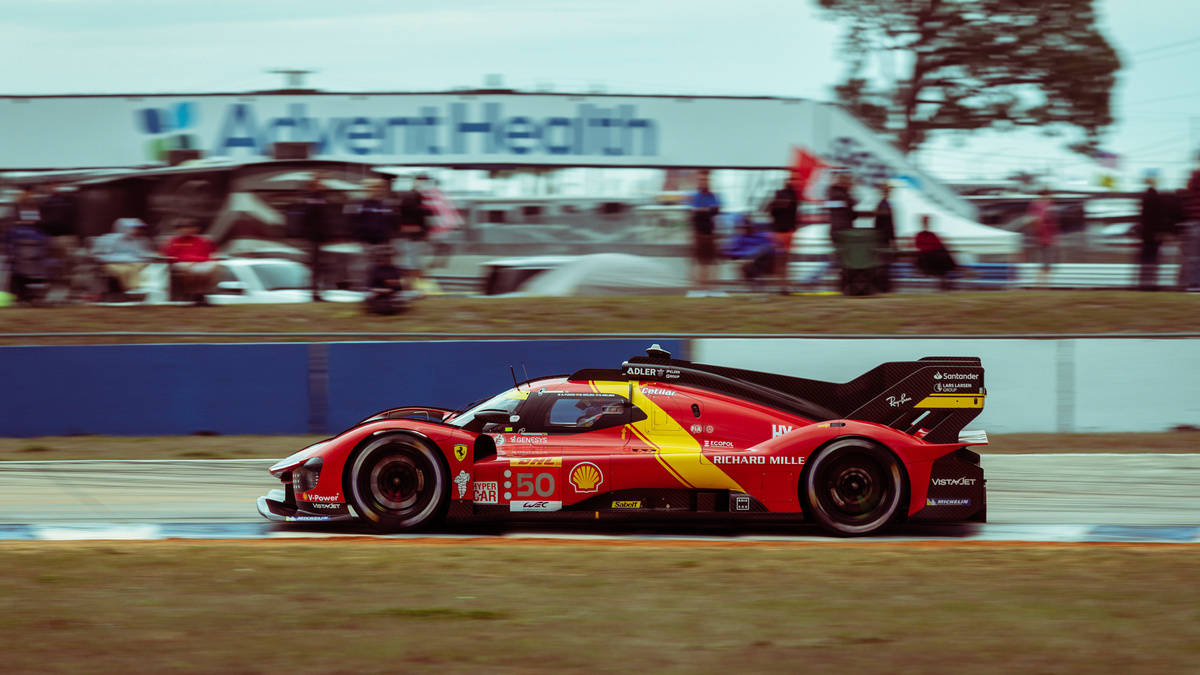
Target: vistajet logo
953 481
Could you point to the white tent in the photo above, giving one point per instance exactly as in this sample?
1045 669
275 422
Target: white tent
960 234
611 274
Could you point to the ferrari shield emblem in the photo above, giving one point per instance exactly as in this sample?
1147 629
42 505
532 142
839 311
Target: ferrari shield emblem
460 452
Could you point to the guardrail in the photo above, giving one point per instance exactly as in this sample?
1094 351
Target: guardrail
819 275
1001 276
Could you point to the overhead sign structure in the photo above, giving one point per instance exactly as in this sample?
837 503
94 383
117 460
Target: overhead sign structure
457 129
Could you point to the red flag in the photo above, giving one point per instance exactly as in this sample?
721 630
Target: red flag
810 175
447 216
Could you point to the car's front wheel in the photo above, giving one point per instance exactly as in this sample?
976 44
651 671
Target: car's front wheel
398 483
854 487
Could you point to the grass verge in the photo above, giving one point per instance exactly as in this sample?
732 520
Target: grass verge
912 313
247 447
357 606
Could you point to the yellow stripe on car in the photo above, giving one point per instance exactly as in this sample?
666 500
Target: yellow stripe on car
674 448
951 401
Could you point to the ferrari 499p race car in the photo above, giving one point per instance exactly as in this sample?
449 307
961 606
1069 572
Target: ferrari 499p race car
658 438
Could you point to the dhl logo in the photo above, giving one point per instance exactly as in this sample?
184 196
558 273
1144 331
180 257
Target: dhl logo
535 461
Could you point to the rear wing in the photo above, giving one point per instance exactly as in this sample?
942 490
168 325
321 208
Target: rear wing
934 397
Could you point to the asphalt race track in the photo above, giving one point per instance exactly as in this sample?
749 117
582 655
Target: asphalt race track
1049 497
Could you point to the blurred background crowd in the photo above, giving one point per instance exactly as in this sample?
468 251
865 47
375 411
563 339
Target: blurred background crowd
308 230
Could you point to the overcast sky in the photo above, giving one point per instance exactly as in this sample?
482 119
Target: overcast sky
747 47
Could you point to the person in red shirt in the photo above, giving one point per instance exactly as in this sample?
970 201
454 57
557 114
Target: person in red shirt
1043 231
192 266
933 258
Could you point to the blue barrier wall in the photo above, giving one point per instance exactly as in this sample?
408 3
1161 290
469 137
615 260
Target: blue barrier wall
150 390
366 377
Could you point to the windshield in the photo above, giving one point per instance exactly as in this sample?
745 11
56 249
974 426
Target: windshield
506 401
280 277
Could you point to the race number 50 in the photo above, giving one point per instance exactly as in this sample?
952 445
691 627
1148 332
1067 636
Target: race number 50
541 484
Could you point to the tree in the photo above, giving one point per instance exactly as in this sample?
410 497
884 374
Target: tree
976 64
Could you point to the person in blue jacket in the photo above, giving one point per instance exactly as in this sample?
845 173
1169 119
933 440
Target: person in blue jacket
755 248
705 207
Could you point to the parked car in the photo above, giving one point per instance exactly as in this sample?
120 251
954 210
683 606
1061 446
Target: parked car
269 280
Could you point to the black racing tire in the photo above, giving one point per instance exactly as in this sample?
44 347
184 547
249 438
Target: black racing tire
398 483
854 487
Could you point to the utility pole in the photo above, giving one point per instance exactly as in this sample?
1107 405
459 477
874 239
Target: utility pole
293 79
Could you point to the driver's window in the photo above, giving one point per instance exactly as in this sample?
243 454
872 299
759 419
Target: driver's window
584 412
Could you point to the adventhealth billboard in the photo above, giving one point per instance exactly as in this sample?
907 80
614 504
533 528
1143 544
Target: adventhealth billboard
448 129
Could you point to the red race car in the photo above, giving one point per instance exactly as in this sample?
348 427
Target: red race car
661 437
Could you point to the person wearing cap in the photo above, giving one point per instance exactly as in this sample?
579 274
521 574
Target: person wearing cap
124 253
26 248
1152 225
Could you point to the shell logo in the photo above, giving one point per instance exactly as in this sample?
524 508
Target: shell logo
586 477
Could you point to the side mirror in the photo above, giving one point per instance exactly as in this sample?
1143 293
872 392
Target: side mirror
231 287
496 417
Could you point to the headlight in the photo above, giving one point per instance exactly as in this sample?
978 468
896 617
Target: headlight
305 476
296 457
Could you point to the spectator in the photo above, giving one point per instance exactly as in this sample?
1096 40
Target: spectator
705 206
374 218
885 234
414 228
933 258
26 247
124 254
1189 235
193 269
783 207
445 220
841 205
315 226
756 251
59 218
385 283
1153 226
1043 230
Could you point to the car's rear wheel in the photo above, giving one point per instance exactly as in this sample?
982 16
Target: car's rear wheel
398 483
854 487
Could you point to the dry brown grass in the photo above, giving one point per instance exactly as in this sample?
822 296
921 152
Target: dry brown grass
989 313
245 447
389 606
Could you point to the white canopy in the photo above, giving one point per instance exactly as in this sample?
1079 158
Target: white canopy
960 234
